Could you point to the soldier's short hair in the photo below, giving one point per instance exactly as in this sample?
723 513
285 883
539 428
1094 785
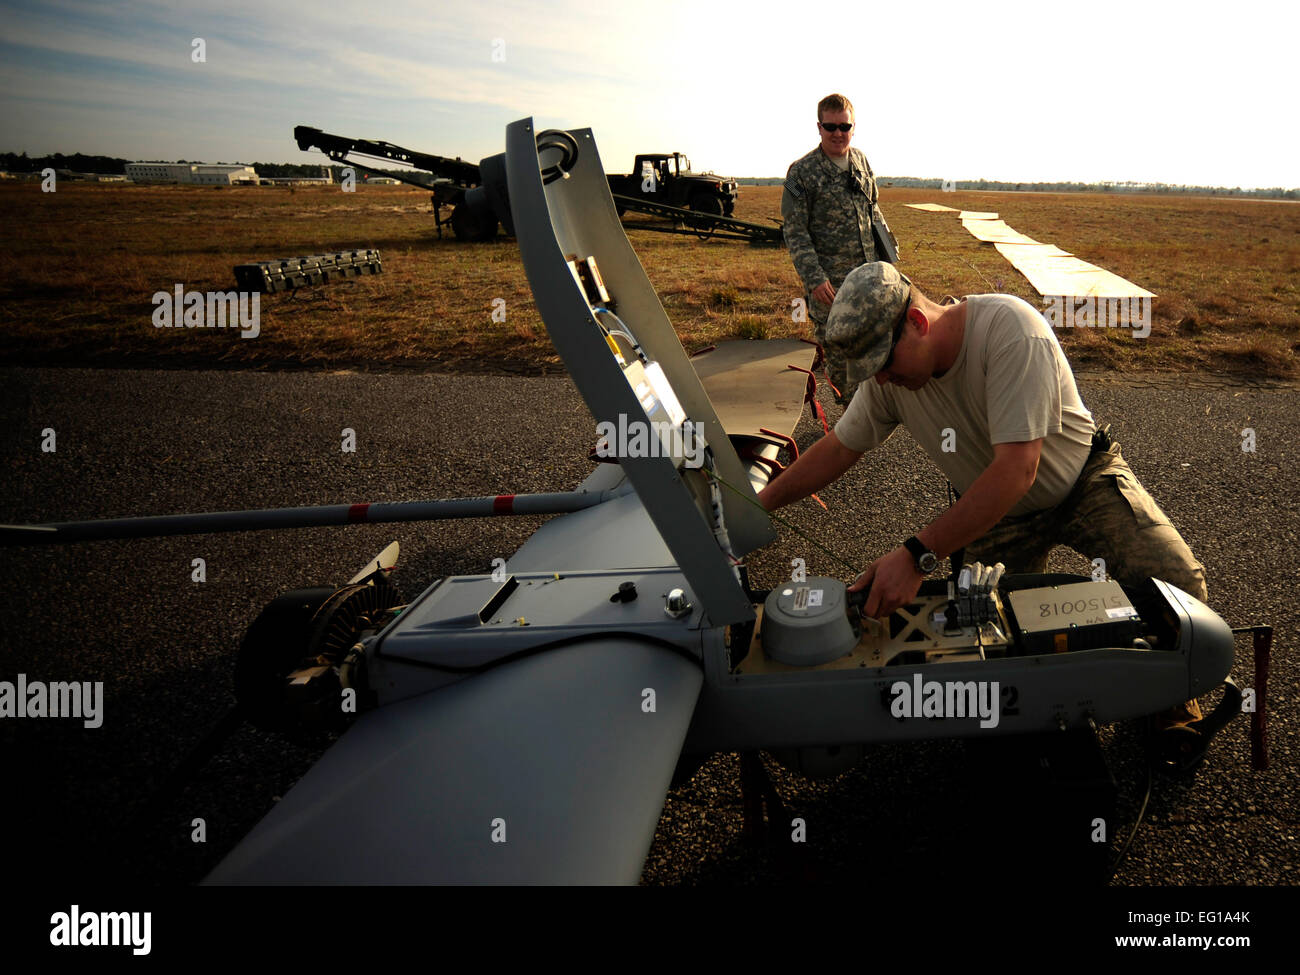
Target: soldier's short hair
834 103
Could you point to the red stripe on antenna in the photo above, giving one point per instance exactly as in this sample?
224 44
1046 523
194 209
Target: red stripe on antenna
503 504
357 512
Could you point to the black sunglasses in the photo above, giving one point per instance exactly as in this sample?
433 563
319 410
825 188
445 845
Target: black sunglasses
898 334
837 126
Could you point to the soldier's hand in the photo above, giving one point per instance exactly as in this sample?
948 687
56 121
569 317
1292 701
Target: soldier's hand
894 581
825 293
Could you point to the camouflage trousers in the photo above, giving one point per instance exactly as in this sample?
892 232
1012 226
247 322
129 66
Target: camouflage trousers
1109 515
835 366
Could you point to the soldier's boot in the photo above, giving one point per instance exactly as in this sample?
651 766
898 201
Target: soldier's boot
1181 736
1174 742
1179 716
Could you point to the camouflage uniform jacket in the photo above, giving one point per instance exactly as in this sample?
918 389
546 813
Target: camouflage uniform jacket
828 214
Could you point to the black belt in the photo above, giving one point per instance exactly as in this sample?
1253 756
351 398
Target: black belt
1101 439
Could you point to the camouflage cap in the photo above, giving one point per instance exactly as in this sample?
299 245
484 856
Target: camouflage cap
861 322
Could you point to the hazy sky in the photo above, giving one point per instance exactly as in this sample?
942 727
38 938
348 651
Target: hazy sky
1179 93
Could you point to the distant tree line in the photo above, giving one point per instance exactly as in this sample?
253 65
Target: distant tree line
80 163
277 170
281 170
77 162
1275 193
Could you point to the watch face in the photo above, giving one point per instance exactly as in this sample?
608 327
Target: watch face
928 562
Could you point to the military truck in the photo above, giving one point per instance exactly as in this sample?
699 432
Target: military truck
666 178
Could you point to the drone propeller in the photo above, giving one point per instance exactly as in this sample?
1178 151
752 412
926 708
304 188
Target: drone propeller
549 769
383 562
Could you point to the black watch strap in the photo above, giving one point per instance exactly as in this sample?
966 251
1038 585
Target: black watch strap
926 561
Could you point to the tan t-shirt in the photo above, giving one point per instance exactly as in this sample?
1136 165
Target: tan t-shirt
1011 383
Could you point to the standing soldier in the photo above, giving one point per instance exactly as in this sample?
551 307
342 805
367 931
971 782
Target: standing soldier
829 208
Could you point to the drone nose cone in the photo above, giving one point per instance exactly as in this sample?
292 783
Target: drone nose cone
1208 643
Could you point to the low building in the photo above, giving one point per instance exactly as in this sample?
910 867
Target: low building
201 173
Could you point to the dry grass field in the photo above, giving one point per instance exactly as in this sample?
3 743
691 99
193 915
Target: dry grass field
85 261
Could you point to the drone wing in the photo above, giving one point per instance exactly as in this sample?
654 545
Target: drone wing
549 769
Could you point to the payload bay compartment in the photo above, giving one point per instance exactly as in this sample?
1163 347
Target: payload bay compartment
801 625
1182 650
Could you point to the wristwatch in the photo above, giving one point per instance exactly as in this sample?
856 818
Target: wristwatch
926 561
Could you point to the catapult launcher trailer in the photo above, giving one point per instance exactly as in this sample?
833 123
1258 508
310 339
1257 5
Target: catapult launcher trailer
694 203
556 697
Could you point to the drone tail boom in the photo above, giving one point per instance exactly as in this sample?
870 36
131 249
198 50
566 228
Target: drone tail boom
305 517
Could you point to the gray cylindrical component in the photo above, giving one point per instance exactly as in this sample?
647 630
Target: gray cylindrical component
806 623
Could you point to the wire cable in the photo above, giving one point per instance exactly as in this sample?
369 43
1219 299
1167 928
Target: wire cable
623 329
794 528
1123 851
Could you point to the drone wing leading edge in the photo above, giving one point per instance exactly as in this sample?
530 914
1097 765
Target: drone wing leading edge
545 770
